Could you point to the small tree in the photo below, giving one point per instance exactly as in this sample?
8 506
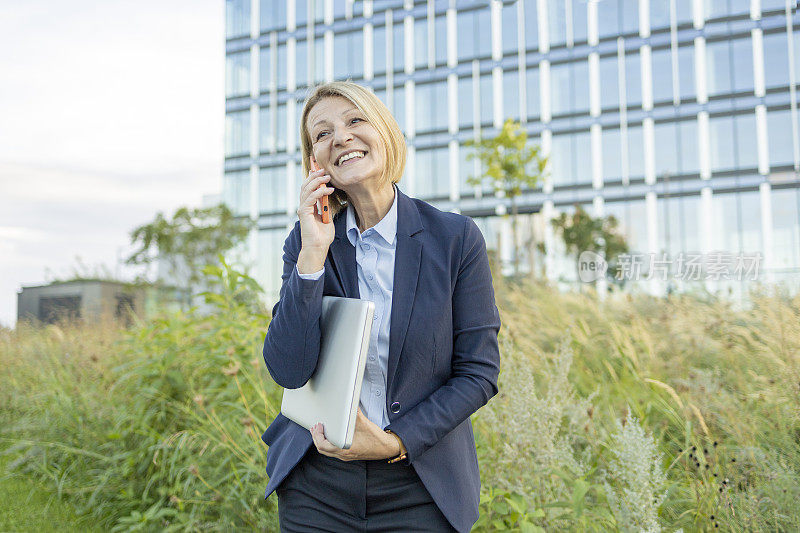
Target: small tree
511 164
581 232
190 241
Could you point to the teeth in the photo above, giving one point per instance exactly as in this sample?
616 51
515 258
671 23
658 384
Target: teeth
351 155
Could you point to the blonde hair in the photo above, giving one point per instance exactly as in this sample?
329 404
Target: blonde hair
376 113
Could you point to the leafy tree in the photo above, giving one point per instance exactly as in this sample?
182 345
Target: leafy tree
192 239
511 164
580 232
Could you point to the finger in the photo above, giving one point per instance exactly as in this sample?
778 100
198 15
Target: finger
312 184
316 195
324 446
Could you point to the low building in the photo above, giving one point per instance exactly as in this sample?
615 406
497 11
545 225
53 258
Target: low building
89 300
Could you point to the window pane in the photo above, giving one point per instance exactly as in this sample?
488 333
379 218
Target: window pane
742 64
319 60
465 103
280 128
349 62
721 143
301 71
786 229
532 92
509 29
579 21
300 12
237 74
339 9
465 23
237 133
399 110
560 88
531 25
237 18
686 72
265 68
511 94
630 16
420 43
662 75
272 189
580 86
633 80
273 14
430 99
612 154
665 138
635 152
557 23
746 144
379 50
779 128
689 159
237 192
776 60
609 83
432 174
281 76
486 99
582 160
398 47
441 40
608 18
659 15
266 129
560 158
718 67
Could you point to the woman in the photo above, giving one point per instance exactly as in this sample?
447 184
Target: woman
433 357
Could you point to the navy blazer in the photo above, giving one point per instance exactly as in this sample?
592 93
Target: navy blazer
443 353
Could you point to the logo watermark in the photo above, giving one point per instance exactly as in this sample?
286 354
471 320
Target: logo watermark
684 266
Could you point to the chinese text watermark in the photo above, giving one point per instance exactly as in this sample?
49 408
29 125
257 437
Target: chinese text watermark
684 266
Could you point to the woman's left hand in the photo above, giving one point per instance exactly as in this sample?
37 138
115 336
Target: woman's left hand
369 442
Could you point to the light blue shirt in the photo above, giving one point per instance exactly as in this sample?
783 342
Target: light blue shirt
375 253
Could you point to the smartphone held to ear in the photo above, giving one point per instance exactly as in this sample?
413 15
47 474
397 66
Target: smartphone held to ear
326 214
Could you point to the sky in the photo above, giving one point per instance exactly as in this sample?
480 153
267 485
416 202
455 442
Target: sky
110 112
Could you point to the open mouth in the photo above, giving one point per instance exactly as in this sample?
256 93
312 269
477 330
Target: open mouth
350 157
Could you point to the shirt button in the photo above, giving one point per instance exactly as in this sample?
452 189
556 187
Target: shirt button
370 277
377 393
366 246
395 407
375 317
371 357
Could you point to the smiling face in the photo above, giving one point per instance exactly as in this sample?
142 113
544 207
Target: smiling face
348 147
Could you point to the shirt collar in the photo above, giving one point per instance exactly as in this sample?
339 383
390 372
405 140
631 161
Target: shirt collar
386 228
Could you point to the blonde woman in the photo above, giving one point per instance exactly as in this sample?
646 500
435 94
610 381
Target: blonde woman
433 355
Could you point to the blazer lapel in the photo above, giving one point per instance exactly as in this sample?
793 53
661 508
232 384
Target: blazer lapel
406 274
343 257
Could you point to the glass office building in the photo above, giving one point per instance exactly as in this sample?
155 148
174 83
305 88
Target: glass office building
679 117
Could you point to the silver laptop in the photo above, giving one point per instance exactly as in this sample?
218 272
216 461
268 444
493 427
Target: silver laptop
332 394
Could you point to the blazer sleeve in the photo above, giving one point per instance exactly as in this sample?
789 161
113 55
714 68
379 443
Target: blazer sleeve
476 355
292 343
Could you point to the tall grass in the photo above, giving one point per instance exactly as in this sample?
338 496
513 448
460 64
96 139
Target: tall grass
634 414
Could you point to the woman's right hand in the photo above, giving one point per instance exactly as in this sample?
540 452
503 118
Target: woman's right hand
316 236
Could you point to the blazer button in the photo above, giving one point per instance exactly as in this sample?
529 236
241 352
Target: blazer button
395 407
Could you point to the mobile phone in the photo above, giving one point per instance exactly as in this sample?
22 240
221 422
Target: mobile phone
326 214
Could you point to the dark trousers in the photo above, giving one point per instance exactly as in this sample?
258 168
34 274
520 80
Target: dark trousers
326 494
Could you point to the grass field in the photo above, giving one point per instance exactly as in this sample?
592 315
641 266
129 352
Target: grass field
632 414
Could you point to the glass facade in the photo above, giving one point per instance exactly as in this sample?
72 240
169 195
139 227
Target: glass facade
681 127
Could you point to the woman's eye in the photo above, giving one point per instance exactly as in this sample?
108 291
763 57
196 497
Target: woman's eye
320 134
355 120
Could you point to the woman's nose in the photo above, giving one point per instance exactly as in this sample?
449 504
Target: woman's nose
341 136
